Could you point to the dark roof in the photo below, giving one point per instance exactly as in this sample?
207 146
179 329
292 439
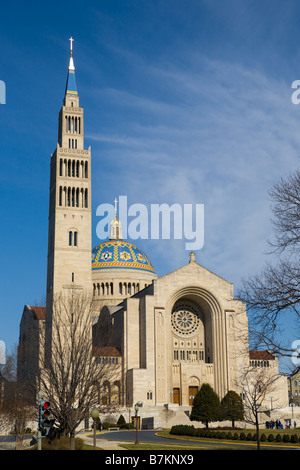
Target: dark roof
106 351
261 355
38 312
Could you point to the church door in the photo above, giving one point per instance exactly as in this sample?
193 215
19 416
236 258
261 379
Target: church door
192 393
176 396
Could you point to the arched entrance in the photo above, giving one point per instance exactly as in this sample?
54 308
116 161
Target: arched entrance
193 388
196 344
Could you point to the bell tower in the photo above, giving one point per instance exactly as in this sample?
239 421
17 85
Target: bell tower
69 238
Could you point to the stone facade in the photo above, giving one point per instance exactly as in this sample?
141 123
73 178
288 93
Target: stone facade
183 330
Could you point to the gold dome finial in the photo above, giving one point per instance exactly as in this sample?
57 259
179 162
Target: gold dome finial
115 226
116 210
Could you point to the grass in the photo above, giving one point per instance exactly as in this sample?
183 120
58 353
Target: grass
64 444
148 446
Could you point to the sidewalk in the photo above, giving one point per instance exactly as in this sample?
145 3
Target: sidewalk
104 444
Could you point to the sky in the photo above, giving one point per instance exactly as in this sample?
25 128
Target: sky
185 102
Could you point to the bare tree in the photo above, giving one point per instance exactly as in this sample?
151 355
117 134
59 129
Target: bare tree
16 410
275 290
73 377
286 209
255 386
167 414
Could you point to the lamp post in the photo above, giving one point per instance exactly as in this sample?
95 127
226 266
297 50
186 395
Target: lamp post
95 415
39 434
136 407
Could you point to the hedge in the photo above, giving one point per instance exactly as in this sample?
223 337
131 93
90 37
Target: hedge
186 430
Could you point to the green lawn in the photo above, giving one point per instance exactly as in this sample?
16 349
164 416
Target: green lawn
148 446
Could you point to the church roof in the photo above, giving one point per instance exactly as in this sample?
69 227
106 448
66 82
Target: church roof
262 355
107 351
120 254
38 312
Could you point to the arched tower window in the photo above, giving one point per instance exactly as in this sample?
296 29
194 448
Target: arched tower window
73 238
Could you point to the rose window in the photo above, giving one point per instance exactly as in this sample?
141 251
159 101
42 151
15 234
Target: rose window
185 319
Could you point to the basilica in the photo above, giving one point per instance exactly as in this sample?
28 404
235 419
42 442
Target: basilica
168 334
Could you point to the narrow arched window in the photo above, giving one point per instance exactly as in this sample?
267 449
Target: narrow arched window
70 238
60 196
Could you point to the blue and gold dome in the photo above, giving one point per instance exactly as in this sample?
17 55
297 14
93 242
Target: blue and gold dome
120 254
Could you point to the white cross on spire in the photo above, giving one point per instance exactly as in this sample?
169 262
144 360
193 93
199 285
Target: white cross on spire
71 43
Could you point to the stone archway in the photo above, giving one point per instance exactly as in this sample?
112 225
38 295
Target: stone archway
215 354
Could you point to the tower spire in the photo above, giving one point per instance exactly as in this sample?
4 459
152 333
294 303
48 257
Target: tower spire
71 88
